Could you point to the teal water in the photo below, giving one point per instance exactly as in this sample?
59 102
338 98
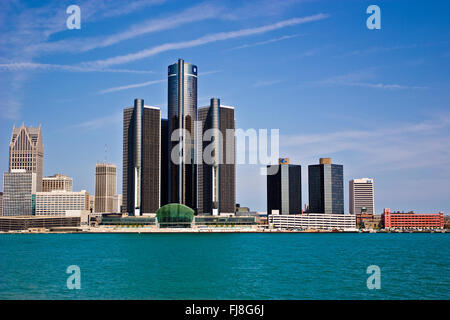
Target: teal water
225 266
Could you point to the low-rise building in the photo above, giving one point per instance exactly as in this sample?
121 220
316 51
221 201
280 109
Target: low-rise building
38 222
56 182
313 221
58 202
369 221
411 220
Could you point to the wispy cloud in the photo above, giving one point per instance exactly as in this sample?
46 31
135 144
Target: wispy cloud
265 83
132 86
205 40
21 66
99 122
260 43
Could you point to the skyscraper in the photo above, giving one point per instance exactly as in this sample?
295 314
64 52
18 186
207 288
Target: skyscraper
19 192
105 187
26 151
326 187
182 114
361 194
141 159
217 172
284 188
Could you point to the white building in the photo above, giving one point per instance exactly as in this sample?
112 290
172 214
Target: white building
58 202
346 222
361 194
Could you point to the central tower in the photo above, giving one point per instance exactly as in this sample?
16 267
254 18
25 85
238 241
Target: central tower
182 109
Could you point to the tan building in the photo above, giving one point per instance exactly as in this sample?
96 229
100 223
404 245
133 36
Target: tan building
361 194
59 201
105 187
26 151
56 182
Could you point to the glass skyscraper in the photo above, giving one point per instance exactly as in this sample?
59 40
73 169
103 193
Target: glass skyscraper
182 108
326 187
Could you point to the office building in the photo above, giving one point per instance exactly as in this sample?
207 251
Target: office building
216 190
182 115
117 203
411 220
58 202
316 221
284 188
326 187
105 187
361 195
37 223
26 151
141 159
19 189
56 182
165 162
1 204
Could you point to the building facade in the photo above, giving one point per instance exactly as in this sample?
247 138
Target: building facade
141 159
326 187
19 189
182 116
1 204
361 194
26 151
314 221
411 220
284 188
56 182
58 202
216 190
105 187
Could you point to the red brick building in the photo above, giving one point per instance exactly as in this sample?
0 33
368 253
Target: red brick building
413 220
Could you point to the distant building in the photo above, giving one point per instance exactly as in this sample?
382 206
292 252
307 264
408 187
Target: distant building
369 221
60 201
56 182
326 187
182 115
411 220
216 190
26 151
141 159
117 203
284 188
313 221
361 195
105 187
41 222
1 204
91 203
19 188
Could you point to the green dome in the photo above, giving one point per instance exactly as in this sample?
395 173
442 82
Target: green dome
175 215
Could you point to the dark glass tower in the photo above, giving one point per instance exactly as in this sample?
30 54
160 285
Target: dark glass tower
141 159
217 175
326 187
182 107
284 188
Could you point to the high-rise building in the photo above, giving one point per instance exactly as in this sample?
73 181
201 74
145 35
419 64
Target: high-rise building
182 116
361 196
165 162
105 187
56 182
284 188
216 171
58 202
326 187
141 159
1 204
26 151
117 203
19 189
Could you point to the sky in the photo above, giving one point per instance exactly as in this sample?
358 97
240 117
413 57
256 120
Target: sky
375 101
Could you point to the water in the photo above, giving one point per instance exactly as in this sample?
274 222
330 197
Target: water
225 266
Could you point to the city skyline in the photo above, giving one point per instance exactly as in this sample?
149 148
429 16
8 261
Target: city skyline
377 113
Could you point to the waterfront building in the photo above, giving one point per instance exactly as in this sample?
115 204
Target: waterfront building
165 162
117 203
1 204
182 116
141 159
19 188
26 151
284 188
361 194
58 202
369 221
326 187
316 221
411 220
56 182
216 190
38 223
105 187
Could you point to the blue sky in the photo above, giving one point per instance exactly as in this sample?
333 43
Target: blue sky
376 101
